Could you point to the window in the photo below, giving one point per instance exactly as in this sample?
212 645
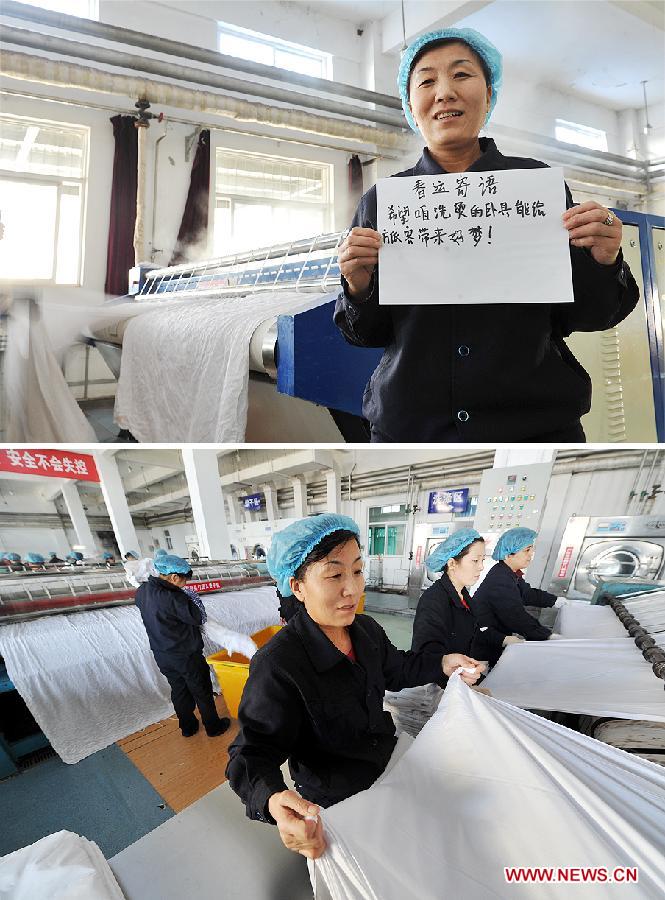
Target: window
271 51
167 538
581 135
260 198
42 184
386 532
85 9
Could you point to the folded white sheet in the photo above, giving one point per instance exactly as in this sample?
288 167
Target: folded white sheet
61 866
586 621
484 787
598 677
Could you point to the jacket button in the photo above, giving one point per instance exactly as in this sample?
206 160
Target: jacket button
463 415
463 350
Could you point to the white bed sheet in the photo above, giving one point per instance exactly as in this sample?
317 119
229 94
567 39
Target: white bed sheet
61 866
597 677
486 786
90 679
185 367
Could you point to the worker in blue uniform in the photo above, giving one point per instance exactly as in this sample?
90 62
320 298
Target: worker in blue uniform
500 599
315 691
469 372
173 623
445 620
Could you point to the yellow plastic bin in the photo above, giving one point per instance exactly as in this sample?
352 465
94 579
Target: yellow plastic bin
232 669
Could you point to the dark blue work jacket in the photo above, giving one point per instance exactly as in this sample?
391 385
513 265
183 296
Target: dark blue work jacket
305 701
171 618
488 372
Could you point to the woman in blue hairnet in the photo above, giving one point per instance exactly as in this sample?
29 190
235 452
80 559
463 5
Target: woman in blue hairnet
173 618
495 372
500 599
445 620
315 691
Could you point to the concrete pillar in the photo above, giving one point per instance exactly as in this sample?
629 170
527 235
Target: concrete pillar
333 488
271 501
79 520
299 497
116 503
233 508
205 491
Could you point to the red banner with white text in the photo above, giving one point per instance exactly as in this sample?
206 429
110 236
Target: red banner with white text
50 463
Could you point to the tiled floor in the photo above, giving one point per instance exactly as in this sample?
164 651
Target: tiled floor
104 798
392 612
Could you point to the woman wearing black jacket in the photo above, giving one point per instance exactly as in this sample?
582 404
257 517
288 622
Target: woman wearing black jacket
467 372
500 600
445 619
315 691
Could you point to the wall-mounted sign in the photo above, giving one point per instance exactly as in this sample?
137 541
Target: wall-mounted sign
565 562
50 463
455 501
254 501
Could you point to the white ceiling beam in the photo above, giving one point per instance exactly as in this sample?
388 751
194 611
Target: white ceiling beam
296 463
421 16
161 500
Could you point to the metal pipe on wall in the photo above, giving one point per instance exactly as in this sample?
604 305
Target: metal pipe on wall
155 171
178 48
51 44
139 231
60 72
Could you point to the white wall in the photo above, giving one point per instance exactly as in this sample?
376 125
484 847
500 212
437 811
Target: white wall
34 540
356 60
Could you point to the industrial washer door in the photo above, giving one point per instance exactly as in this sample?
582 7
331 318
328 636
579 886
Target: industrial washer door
617 557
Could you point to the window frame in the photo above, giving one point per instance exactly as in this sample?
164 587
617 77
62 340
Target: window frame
231 197
58 181
275 44
385 525
93 9
580 129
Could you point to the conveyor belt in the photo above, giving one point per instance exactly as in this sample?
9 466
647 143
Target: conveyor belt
37 594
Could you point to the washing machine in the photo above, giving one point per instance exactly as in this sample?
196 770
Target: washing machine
622 547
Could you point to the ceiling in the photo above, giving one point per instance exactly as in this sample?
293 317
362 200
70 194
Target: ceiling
600 50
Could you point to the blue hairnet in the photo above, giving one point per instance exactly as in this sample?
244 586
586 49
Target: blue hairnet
160 552
513 541
291 547
478 42
107 555
172 565
34 558
452 546
14 557
75 554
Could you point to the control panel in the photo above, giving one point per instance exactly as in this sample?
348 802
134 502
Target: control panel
512 497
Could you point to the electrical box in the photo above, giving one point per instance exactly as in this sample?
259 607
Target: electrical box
511 497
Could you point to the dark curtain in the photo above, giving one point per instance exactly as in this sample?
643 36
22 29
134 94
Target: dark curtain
120 250
355 182
194 225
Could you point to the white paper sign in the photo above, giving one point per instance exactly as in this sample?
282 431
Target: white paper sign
474 237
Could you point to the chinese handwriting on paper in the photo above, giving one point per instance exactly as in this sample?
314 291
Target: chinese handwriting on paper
421 222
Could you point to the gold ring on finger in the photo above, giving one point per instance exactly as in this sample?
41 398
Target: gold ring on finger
610 218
